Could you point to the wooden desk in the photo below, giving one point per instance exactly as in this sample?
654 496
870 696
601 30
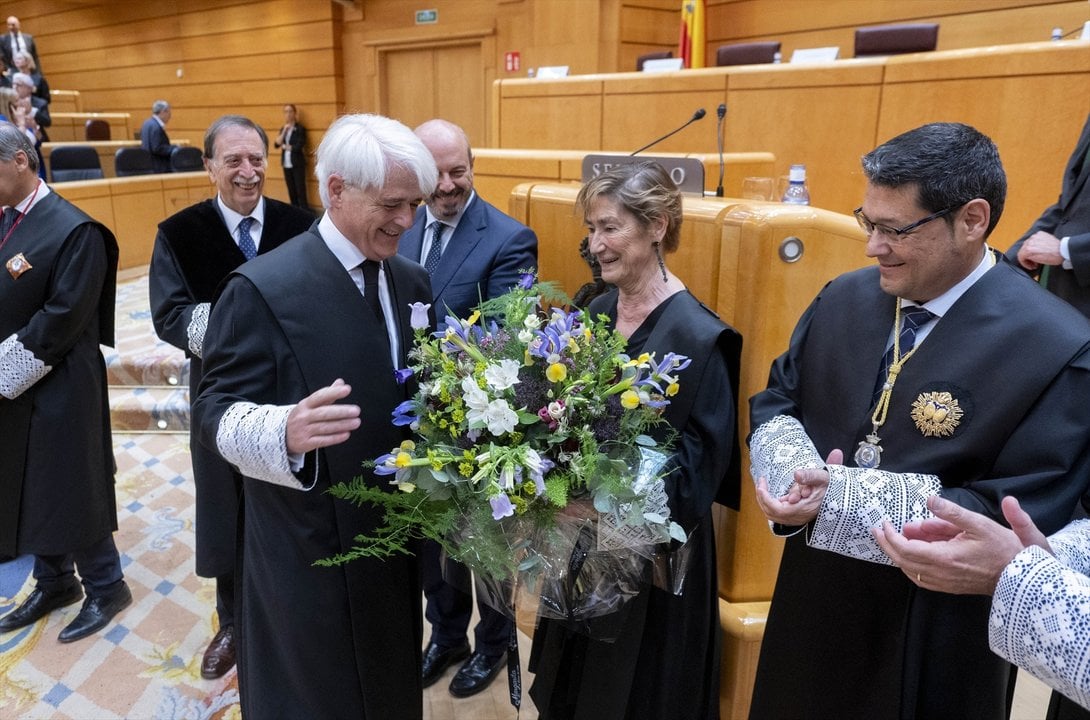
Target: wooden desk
69 126
1032 98
133 207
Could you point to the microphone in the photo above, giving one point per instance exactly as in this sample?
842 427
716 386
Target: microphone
722 113
696 116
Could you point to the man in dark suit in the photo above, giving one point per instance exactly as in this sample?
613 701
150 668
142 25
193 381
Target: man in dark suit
473 252
1057 245
194 250
153 136
298 390
57 485
292 140
15 41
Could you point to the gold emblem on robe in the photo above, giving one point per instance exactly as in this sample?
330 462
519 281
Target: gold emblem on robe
18 265
937 414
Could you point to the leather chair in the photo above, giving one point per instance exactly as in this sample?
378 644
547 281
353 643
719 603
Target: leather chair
896 39
96 130
662 55
186 159
74 162
132 161
748 53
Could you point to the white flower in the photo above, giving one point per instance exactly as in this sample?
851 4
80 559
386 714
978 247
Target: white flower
500 418
525 336
475 398
531 322
419 318
503 375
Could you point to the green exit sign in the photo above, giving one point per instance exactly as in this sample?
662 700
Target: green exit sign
427 17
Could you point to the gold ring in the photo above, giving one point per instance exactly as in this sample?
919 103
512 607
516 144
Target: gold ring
918 578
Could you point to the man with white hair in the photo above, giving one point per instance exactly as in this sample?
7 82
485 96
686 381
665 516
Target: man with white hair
153 136
298 389
39 108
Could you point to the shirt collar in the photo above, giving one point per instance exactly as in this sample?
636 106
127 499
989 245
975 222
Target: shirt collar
232 218
342 248
942 304
33 198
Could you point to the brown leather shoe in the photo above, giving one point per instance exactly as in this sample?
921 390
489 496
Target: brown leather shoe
220 655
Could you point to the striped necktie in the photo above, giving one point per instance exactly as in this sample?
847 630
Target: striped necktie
912 318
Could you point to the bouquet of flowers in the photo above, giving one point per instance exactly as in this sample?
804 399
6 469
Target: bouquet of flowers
532 448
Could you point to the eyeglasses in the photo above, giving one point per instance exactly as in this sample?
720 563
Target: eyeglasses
895 234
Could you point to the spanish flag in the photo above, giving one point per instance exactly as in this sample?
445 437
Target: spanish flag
691 45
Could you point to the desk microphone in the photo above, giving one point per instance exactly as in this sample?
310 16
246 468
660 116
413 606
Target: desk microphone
696 116
722 113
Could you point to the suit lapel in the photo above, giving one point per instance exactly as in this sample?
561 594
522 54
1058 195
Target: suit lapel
413 239
466 237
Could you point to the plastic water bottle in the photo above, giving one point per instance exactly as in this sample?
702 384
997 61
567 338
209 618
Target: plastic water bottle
797 193
1057 33
777 57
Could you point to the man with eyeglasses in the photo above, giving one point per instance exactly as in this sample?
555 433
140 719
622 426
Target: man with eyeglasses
1056 248
194 250
941 370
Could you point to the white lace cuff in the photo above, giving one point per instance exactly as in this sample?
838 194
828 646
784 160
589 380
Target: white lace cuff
1040 621
1071 545
198 324
777 449
253 438
859 499
19 368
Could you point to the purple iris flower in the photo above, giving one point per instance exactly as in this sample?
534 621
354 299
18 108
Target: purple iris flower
501 506
526 281
402 375
403 414
381 466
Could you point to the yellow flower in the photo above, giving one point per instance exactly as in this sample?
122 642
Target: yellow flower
642 359
630 399
406 487
408 445
404 459
573 346
672 389
465 469
474 317
556 372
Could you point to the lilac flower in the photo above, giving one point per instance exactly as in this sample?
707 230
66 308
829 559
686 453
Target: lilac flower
403 414
419 317
501 506
402 375
526 281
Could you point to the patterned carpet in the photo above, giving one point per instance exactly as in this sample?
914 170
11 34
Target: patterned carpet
147 664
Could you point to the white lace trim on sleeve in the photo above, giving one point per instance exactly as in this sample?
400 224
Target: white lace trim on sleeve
1040 619
777 449
198 324
859 499
19 368
252 438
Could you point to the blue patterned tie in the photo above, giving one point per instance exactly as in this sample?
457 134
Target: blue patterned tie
7 222
912 318
431 264
245 241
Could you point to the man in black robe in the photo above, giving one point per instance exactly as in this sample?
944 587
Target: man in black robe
942 370
194 250
298 390
57 483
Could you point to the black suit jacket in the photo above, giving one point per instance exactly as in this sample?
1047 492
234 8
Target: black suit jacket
153 138
9 56
1069 217
482 259
295 144
193 253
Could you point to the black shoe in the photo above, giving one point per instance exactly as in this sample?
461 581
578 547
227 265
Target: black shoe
476 674
438 658
96 613
40 604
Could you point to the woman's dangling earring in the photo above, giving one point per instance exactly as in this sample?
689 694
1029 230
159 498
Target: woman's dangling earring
662 265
